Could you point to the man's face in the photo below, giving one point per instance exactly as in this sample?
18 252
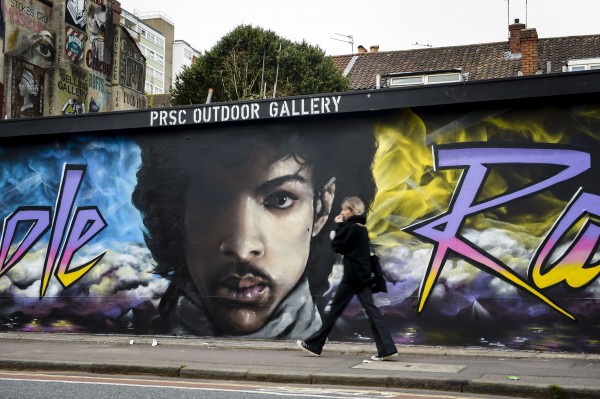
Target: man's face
247 237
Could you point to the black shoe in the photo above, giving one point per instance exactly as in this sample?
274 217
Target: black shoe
306 348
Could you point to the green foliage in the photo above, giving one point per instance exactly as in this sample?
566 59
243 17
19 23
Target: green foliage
234 69
557 392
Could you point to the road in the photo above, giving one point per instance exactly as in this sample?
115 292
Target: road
25 385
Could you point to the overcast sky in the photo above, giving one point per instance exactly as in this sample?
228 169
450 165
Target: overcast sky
391 24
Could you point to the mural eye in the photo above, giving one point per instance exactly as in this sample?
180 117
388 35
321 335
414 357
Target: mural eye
280 200
44 51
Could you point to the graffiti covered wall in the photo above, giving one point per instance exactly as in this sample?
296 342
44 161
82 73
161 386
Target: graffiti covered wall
60 57
485 219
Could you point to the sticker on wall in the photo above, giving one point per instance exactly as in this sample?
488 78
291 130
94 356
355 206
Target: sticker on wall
130 64
73 90
27 90
76 13
74 44
98 96
100 34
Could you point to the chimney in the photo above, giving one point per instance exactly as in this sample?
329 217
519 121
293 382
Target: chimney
116 12
529 51
514 40
374 48
362 50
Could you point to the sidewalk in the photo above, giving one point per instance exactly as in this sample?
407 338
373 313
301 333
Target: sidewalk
468 370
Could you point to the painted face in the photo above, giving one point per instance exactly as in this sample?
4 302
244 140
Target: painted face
23 91
247 237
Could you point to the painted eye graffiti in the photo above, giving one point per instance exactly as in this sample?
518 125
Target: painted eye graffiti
280 200
44 51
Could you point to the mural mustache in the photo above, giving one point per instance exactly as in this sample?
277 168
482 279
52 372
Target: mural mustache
244 283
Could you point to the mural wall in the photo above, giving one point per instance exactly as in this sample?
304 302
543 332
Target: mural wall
486 222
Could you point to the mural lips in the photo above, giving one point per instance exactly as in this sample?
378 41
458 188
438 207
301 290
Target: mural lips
247 288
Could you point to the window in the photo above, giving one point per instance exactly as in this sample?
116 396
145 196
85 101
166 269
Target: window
187 54
154 73
444 78
151 89
408 80
160 42
583 64
424 79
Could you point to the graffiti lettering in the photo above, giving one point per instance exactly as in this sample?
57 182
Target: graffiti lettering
443 230
24 15
24 8
41 222
74 85
574 266
96 82
135 101
86 223
97 64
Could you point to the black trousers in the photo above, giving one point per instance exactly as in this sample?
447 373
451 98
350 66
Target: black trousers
341 298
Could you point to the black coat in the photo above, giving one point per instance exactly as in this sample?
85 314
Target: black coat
352 240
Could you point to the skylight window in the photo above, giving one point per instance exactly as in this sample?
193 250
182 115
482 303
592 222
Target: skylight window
424 78
586 64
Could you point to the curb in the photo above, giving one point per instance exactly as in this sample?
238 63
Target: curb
376 381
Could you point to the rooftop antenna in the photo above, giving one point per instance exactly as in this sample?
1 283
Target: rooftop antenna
277 72
422 45
348 39
508 16
262 77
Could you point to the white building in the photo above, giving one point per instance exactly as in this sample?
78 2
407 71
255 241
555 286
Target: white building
152 44
183 55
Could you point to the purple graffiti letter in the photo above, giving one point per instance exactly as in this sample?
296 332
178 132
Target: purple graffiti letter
443 230
40 216
70 183
573 268
87 223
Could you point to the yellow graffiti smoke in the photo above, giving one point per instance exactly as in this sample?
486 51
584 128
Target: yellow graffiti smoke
406 186
409 189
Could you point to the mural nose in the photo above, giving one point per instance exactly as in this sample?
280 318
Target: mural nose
241 249
244 240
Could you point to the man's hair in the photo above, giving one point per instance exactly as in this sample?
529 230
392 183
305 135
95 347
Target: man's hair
30 82
333 148
355 204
